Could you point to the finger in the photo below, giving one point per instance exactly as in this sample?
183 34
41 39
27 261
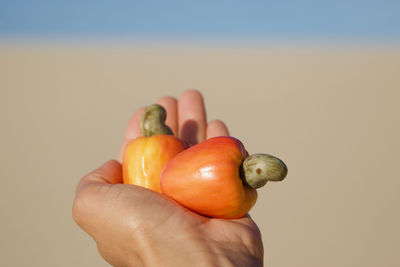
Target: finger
192 117
216 128
171 106
91 189
132 131
101 200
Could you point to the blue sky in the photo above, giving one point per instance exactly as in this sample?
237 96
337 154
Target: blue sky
215 20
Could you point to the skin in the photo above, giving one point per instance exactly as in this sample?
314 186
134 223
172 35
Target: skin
134 226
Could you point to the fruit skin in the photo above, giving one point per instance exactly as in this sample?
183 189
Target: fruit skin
145 157
206 179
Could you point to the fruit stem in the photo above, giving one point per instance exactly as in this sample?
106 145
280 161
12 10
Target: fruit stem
152 121
258 169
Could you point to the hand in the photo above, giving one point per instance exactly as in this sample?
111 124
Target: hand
134 226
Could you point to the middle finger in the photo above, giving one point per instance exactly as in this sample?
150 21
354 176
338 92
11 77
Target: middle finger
192 117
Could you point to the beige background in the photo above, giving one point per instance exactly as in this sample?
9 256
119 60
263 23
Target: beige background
331 112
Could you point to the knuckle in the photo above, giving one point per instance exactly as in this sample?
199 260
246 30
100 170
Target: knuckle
81 204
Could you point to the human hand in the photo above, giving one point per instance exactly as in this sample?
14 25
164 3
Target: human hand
134 226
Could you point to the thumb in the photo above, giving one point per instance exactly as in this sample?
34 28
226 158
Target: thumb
91 192
103 205
107 211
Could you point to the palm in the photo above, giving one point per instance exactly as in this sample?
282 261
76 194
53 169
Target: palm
162 217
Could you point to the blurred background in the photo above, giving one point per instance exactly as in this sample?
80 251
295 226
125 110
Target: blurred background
316 83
